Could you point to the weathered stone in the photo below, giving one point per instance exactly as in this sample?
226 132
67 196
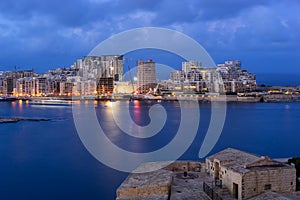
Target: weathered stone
161 184
247 175
243 176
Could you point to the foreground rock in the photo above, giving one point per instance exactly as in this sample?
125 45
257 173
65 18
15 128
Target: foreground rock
17 119
229 174
168 183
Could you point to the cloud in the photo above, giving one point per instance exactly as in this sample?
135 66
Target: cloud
48 33
216 10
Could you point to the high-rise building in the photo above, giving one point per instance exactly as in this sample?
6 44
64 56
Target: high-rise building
190 65
235 78
11 82
106 66
105 86
177 76
146 75
113 67
42 85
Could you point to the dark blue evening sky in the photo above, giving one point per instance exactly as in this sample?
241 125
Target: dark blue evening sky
264 35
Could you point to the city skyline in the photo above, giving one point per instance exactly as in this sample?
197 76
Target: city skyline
42 36
103 75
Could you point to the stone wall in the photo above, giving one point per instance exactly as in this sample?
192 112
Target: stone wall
265 161
229 177
186 166
281 180
209 167
145 185
281 98
142 192
156 183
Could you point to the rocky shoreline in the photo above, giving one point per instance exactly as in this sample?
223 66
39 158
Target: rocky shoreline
18 119
184 97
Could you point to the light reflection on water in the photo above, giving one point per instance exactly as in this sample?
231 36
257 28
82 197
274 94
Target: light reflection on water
38 158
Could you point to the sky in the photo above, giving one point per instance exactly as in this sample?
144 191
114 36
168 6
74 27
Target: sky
264 35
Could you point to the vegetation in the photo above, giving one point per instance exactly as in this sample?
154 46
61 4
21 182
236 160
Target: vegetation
296 162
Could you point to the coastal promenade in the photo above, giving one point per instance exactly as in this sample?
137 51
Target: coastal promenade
227 98
183 97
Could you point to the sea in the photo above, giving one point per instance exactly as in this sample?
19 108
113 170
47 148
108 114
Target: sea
278 79
47 160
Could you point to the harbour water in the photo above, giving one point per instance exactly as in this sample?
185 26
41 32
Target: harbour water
47 160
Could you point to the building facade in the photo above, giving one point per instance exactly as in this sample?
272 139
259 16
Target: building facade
247 175
190 66
177 76
106 66
235 78
105 86
146 75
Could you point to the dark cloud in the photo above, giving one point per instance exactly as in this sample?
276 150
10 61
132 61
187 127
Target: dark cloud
49 33
214 9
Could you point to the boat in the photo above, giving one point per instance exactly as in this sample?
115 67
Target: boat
152 97
249 97
52 102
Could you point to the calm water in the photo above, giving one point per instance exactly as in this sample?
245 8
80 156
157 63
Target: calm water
46 160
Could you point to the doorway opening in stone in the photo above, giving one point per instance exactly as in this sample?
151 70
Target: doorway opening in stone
235 191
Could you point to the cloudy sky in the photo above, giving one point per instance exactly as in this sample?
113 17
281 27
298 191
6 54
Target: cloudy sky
263 34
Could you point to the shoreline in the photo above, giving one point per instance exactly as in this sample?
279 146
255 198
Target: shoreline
186 97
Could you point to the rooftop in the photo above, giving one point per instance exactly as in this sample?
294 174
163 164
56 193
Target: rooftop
275 196
233 155
184 179
159 177
168 183
242 162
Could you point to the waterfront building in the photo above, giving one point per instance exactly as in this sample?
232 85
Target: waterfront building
106 66
189 66
42 86
105 86
226 78
24 86
65 88
201 79
8 86
124 87
190 78
53 85
193 78
204 80
25 73
169 85
146 75
235 78
1 85
82 87
177 76
114 66
88 88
